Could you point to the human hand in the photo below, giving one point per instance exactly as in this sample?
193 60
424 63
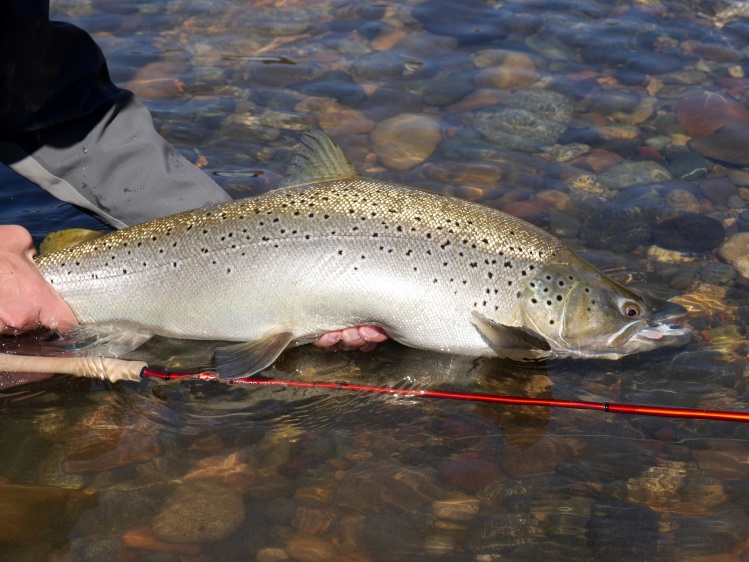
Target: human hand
363 338
27 300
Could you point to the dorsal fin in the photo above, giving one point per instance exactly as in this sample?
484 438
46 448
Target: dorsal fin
317 158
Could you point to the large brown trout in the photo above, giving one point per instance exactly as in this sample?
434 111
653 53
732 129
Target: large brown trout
331 249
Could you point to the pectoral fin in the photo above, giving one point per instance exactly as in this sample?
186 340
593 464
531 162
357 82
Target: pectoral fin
246 359
502 338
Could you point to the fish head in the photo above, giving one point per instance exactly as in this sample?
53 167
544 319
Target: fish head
583 313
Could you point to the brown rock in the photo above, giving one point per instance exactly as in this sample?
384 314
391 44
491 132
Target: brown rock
735 247
599 159
482 97
706 113
199 512
406 140
506 70
712 51
460 508
143 538
29 512
530 211
730 144
310 549
232 470
470 471
387 41
106 440
718 190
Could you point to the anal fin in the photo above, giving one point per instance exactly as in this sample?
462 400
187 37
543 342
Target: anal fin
502 338
246 359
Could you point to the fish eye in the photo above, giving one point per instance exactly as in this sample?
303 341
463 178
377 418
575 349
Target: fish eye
632 311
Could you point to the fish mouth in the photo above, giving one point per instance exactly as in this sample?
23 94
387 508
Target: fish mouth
665 333
662 329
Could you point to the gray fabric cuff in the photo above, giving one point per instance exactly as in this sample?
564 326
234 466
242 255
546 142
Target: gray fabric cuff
114 165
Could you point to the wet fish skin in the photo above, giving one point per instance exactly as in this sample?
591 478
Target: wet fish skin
331 249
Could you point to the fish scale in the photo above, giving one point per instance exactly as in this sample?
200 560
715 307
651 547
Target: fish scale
327 250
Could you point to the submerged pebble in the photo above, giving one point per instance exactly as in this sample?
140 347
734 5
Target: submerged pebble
689 232
199 512
527 121
406 140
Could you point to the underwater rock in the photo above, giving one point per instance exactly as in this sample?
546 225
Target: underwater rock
379 65
461 508
681 200
706 113
506 70
440 89
109 438
718 190
527 121
614 523
467 21
614 101
626 174
735 247
143 538
470 471
30 512
689 232
198 512
688 166
334 84
619 229
390 538
305 548
406 140
231 470
730 144
654 63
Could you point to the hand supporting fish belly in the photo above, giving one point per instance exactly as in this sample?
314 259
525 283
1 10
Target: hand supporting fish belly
330 249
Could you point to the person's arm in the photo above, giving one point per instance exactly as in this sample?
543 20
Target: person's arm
27 300
67 128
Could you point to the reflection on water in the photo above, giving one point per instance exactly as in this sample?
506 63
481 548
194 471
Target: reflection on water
619 127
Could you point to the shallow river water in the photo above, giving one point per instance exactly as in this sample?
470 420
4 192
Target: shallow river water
621 127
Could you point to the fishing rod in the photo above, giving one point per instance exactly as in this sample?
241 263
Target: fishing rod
612 407
118 370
